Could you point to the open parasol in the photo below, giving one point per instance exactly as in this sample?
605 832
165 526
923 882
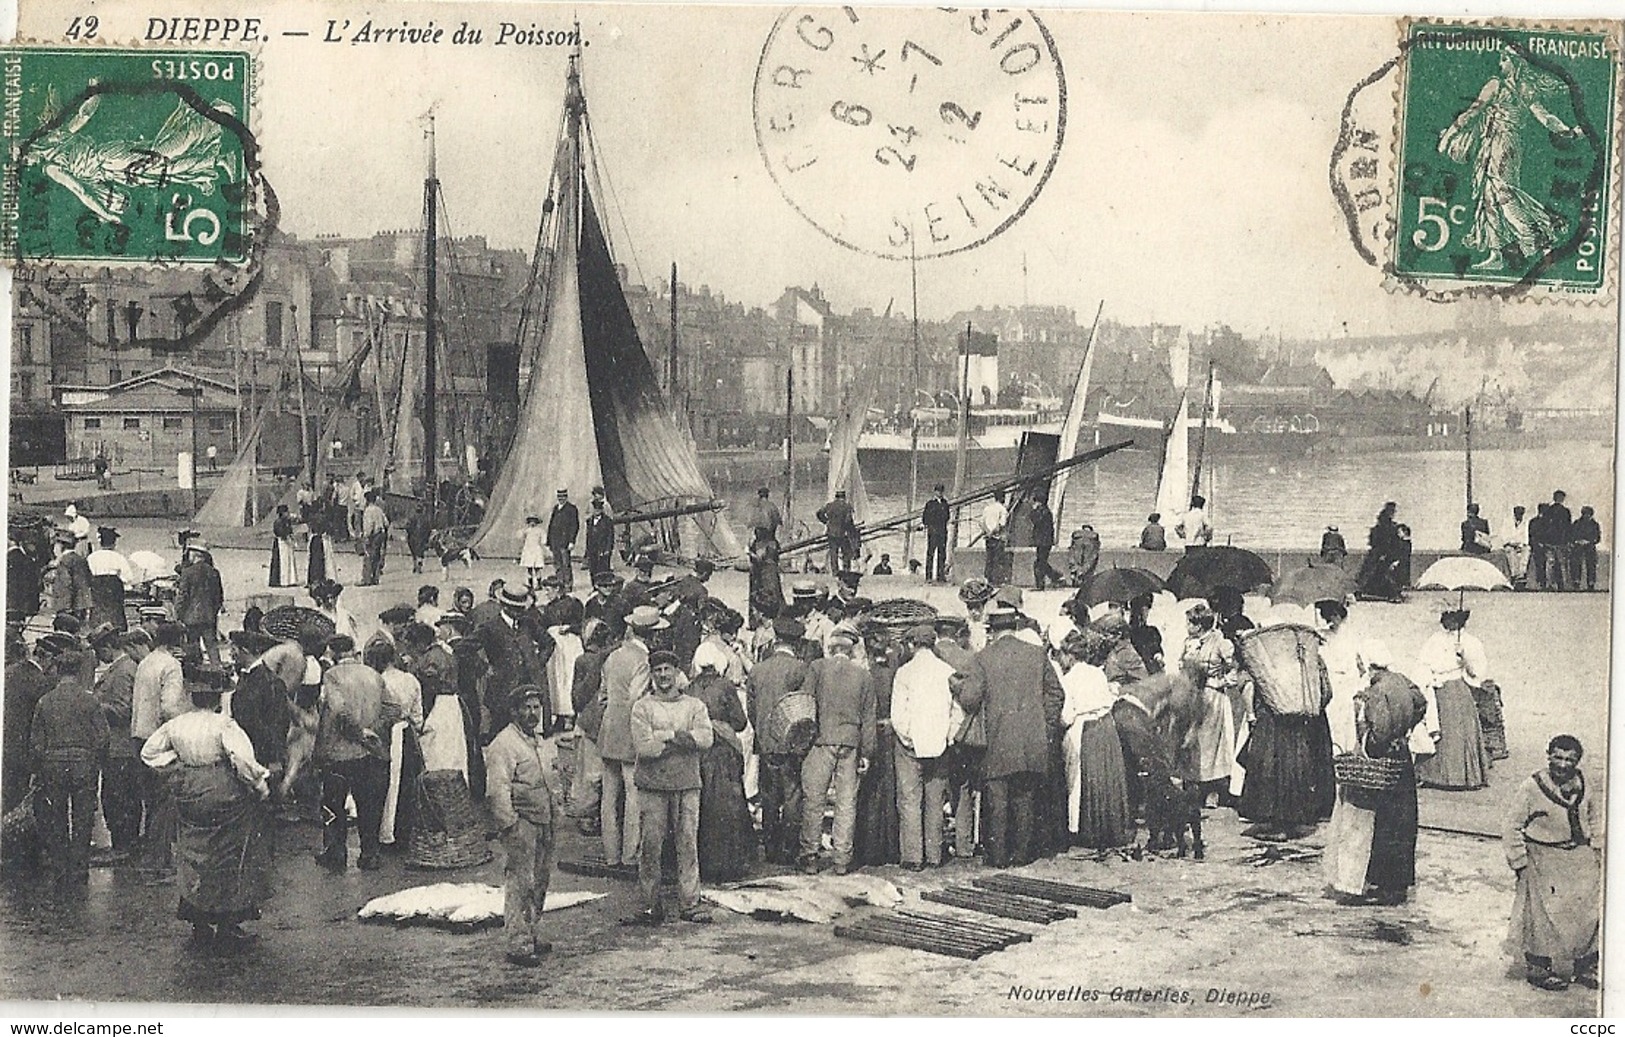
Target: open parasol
1312 583
1119 585
1205 568
1462 574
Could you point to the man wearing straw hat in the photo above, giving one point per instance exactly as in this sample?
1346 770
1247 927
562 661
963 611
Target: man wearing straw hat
625 680
527 806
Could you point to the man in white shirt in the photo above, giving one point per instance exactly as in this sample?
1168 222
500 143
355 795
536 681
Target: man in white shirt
78 524
1194 528
995 519
924 717
159 696
1517 548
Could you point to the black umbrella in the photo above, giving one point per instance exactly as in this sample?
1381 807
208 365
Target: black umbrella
1312 583
1205 568
1119 585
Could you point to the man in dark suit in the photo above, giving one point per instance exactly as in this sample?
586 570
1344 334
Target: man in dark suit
600 539
513 656
199 599
1012 684
935 519
1043 543
562 527
1559 532
70 585
840 526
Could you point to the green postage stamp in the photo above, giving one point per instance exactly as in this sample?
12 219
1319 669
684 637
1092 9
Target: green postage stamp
125 155
1506 157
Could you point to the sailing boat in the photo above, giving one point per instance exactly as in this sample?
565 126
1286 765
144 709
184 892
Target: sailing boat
844 471
594 414
1075 417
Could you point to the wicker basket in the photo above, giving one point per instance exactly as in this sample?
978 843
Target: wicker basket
793 722
902 612
286 622
1284 662
449 831
1353 770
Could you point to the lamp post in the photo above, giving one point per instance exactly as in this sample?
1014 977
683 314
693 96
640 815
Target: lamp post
192 392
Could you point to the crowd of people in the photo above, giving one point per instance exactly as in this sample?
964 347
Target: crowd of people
817 731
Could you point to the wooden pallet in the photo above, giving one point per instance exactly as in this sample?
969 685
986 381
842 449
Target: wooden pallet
937 934
1002 905
1059 892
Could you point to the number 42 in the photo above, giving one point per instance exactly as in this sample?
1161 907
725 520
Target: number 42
83 28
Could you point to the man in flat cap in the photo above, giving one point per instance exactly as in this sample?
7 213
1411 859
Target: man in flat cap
670 732
563 526
841 751
780 674
528 807
68 741
841 530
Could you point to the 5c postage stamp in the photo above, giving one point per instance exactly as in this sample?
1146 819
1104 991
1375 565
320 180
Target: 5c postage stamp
1506 157
125 155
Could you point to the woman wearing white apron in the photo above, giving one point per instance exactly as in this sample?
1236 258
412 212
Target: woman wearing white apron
1211 659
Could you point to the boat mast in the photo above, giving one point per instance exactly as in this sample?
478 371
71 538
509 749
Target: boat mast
963 445
431 188
671 355
305 445
1467 430
913 402
1201 440
789 435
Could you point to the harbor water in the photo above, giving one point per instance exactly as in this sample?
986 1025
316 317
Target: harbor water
1288 502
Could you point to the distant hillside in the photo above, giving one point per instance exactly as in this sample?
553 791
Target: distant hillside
1552 364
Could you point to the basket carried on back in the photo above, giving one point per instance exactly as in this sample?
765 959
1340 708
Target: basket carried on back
793 722
287 620
902 612
1284 662
449 831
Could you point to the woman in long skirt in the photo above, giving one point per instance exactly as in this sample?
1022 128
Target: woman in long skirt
878 839
1289 786
1097 812
1211 659
284 568
1453 660
727 841
1372 842
319 567
223 855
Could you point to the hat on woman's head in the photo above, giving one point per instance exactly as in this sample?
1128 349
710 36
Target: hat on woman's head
976 591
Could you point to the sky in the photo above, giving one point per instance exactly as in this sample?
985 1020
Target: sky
1191 187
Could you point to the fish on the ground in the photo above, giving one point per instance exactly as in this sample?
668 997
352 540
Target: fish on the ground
854 889
802 905
457 903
